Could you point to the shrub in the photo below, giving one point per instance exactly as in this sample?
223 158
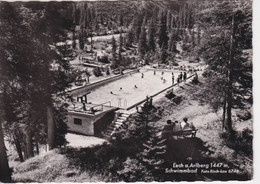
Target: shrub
175 64
133 171
114 65
170 95
103 59
195 80
245 116
239 141
97 72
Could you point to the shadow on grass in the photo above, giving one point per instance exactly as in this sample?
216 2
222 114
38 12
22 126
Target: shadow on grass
186 149
192 151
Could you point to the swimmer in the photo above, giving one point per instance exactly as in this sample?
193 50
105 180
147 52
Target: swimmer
135 86
120 89
111 92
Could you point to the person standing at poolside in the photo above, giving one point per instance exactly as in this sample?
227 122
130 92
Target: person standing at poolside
184 76
178 80
180 76
84 107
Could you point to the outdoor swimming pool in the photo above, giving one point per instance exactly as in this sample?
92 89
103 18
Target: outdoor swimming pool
134 88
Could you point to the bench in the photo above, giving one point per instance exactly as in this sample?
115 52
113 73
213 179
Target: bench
181 133
187 132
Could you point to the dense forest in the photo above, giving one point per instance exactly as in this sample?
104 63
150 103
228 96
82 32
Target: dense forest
35 70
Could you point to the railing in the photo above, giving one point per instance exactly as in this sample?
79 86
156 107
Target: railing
89 108
102 105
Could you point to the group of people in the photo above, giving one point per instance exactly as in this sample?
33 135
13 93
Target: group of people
163 79
182 76
91 109
176 126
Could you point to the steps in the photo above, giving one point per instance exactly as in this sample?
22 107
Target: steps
119 122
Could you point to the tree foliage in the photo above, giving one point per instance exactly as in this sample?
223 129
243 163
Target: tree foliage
114 54
151 39
162 29
142 40
228 76
36 74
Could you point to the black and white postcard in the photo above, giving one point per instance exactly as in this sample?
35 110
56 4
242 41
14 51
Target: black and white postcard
126 91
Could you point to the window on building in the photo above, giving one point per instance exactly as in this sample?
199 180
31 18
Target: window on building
77 121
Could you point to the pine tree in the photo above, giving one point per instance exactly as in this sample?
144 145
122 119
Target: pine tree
74 45
5 172
231 70
32 85
9 18
154 152
82 40
138 130
121 20
198 35
137 24
180 20
114 54
163 53
130 37
169 21
151 45
172 42
162 31
173 23
114 46
193 41
120 49
142 47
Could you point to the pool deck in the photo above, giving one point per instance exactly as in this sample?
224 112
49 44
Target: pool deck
156 94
